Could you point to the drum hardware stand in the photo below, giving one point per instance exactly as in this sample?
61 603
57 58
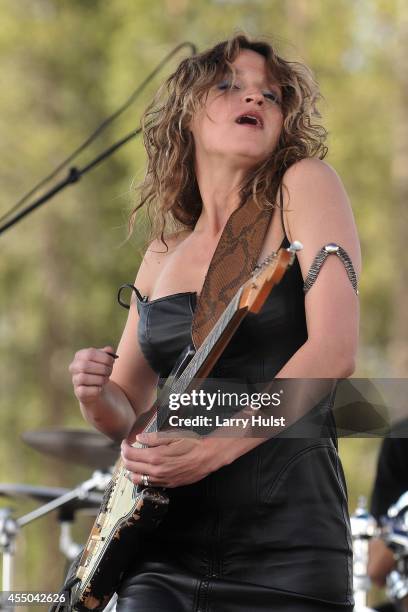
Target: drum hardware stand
67 546
395 536
8 532
363 528
9 527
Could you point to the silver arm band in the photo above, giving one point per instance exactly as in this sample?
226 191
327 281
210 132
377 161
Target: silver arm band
325 251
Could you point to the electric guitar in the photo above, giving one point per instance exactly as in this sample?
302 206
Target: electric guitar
129 511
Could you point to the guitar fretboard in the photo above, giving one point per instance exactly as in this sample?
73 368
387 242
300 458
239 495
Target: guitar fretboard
181 384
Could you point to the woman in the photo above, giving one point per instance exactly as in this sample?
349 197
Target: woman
253 524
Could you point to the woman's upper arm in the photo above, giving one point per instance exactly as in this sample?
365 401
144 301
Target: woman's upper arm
319 212
131 371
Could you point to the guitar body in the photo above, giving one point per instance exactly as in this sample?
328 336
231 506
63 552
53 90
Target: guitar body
114 541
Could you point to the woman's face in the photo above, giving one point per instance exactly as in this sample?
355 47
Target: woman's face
245 122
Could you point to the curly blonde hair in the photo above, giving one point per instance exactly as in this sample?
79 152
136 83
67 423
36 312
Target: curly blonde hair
169 188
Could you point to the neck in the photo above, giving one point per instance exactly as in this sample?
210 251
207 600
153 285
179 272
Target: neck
219 187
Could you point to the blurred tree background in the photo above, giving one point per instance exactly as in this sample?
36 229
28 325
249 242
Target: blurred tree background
66 66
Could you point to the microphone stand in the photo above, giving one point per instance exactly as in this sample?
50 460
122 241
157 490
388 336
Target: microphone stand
73 176
74 173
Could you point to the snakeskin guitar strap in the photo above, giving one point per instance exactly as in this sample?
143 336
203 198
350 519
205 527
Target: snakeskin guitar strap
231 266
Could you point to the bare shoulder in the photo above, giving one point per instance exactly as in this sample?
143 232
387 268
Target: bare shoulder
306 165
318 181
317 209
154 258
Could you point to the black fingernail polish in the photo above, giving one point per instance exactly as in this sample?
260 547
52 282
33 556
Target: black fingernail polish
114 355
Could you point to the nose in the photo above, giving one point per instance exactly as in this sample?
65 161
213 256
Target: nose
254 97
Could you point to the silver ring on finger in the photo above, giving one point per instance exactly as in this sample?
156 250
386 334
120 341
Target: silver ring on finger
145 480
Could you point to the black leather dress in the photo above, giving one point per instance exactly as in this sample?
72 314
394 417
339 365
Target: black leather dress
271 530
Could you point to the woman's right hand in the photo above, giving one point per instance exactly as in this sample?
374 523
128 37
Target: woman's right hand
91 369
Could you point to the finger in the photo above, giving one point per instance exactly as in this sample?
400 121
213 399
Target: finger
177 433
84 393
132 453
156 438
179 447
108 347
91 367
100 356
110 351
139 467
144 455
138 479
89 380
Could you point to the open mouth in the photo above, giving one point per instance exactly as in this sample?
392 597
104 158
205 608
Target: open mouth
249 119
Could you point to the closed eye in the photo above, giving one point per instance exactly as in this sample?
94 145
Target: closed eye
226 85
270 95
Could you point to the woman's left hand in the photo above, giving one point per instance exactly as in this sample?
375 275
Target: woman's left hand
168 461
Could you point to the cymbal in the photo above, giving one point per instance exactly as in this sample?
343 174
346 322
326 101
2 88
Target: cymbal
47 494
80 446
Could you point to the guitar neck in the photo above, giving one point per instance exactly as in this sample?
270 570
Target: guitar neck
214 344
203 360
